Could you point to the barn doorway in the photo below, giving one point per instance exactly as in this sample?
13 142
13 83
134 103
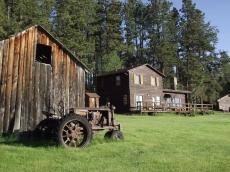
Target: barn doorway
43 54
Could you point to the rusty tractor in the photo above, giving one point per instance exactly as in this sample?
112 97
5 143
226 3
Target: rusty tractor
77 128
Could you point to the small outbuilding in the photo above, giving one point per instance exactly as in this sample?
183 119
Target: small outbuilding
37 72
92 100
224 103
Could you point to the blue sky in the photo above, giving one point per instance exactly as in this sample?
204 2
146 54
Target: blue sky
218 13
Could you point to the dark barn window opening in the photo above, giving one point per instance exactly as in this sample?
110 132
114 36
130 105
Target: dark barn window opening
43 54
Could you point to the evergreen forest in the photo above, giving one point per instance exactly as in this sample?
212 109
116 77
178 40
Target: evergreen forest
112 34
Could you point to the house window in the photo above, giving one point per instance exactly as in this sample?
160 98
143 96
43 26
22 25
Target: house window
156 100
138 79
177 102
118 80
168 100
138 101
154 81
125 99
43 54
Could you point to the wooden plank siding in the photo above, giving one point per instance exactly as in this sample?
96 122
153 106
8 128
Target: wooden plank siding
27 86
3 83
146 88
14 80
9 83
17 117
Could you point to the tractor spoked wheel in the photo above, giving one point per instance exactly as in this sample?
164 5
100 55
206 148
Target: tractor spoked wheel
74 131
117 135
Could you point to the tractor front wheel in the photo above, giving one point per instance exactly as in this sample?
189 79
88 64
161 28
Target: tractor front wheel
74 131
117 135
108 134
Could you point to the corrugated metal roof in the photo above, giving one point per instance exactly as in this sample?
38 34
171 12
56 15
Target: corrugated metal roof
128 69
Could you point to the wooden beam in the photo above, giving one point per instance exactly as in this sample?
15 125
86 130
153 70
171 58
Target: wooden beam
19 87
9 84
3 84
14 81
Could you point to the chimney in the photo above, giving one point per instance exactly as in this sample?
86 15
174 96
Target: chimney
173 83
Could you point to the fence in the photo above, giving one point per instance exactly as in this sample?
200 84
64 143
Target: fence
173 107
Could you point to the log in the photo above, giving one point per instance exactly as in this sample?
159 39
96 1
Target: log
49 90
42 88
19 87
29 77
9 85
3 84
1 58
32 55
36 107
14 81
25 86
66 83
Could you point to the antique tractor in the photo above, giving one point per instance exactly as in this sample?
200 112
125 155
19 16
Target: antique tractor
77 128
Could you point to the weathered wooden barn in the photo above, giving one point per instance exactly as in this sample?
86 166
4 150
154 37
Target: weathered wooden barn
37 73
224 103
136 86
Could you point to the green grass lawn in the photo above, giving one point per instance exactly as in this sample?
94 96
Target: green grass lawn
163 142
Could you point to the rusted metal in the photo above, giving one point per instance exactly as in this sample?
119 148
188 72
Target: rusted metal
76 128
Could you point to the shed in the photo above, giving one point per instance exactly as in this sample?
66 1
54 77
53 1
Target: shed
224 103
92 100
37 72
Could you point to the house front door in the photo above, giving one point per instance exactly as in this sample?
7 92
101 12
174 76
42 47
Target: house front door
139 101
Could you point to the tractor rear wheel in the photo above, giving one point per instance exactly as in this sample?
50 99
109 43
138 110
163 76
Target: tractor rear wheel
45 130
74 131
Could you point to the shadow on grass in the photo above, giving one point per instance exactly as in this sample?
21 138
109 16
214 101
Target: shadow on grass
25 139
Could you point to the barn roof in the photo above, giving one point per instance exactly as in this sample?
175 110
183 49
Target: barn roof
60 44
128 69
94 95
222 98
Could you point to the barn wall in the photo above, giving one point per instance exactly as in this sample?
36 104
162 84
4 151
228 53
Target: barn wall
224 103
28 87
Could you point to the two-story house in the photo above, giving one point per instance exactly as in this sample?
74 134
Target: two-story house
134 87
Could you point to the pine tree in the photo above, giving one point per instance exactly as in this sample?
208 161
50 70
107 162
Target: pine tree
224 73
162 30
73 26
22 14
129 31
108 33
197 40
111 62
3 20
